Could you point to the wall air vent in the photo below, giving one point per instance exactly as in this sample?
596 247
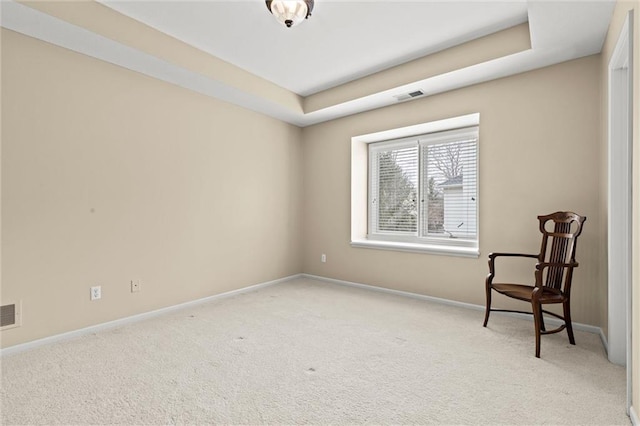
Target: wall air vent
405 96
10 316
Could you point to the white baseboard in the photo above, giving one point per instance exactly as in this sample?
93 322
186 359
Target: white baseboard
635 421
604 341
135 318
146 315
554 321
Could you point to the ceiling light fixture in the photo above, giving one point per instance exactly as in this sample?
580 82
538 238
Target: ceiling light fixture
290 12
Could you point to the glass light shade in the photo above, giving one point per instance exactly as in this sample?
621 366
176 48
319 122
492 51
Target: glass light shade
289 12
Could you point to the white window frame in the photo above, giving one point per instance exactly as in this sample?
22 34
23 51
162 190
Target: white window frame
360 200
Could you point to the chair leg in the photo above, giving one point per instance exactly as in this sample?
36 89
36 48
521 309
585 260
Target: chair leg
488 311
567 321
537 320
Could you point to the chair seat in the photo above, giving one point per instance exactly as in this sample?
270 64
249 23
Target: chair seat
524 292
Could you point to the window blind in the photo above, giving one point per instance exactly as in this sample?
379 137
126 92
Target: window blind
450 174
395 188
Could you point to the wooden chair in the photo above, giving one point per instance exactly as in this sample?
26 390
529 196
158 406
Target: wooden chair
553 273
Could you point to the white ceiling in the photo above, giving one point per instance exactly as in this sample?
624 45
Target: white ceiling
342 41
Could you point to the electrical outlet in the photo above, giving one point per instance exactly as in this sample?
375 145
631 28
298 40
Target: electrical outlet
135 286
323 258
96 292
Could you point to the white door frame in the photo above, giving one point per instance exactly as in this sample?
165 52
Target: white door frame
620 178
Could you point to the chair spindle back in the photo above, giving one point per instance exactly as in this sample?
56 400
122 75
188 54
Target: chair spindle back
561 248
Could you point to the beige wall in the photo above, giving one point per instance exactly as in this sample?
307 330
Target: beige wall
539 152
621 11
109 175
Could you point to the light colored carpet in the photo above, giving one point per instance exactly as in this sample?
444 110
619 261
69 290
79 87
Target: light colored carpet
312 352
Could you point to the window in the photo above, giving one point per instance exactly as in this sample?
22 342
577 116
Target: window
422 191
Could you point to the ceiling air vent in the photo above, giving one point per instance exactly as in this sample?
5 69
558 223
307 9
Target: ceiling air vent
9 316
405 96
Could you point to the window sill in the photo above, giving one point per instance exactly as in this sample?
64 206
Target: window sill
418 248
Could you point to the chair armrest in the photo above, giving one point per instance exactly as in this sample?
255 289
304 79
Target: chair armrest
493 256
541 265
